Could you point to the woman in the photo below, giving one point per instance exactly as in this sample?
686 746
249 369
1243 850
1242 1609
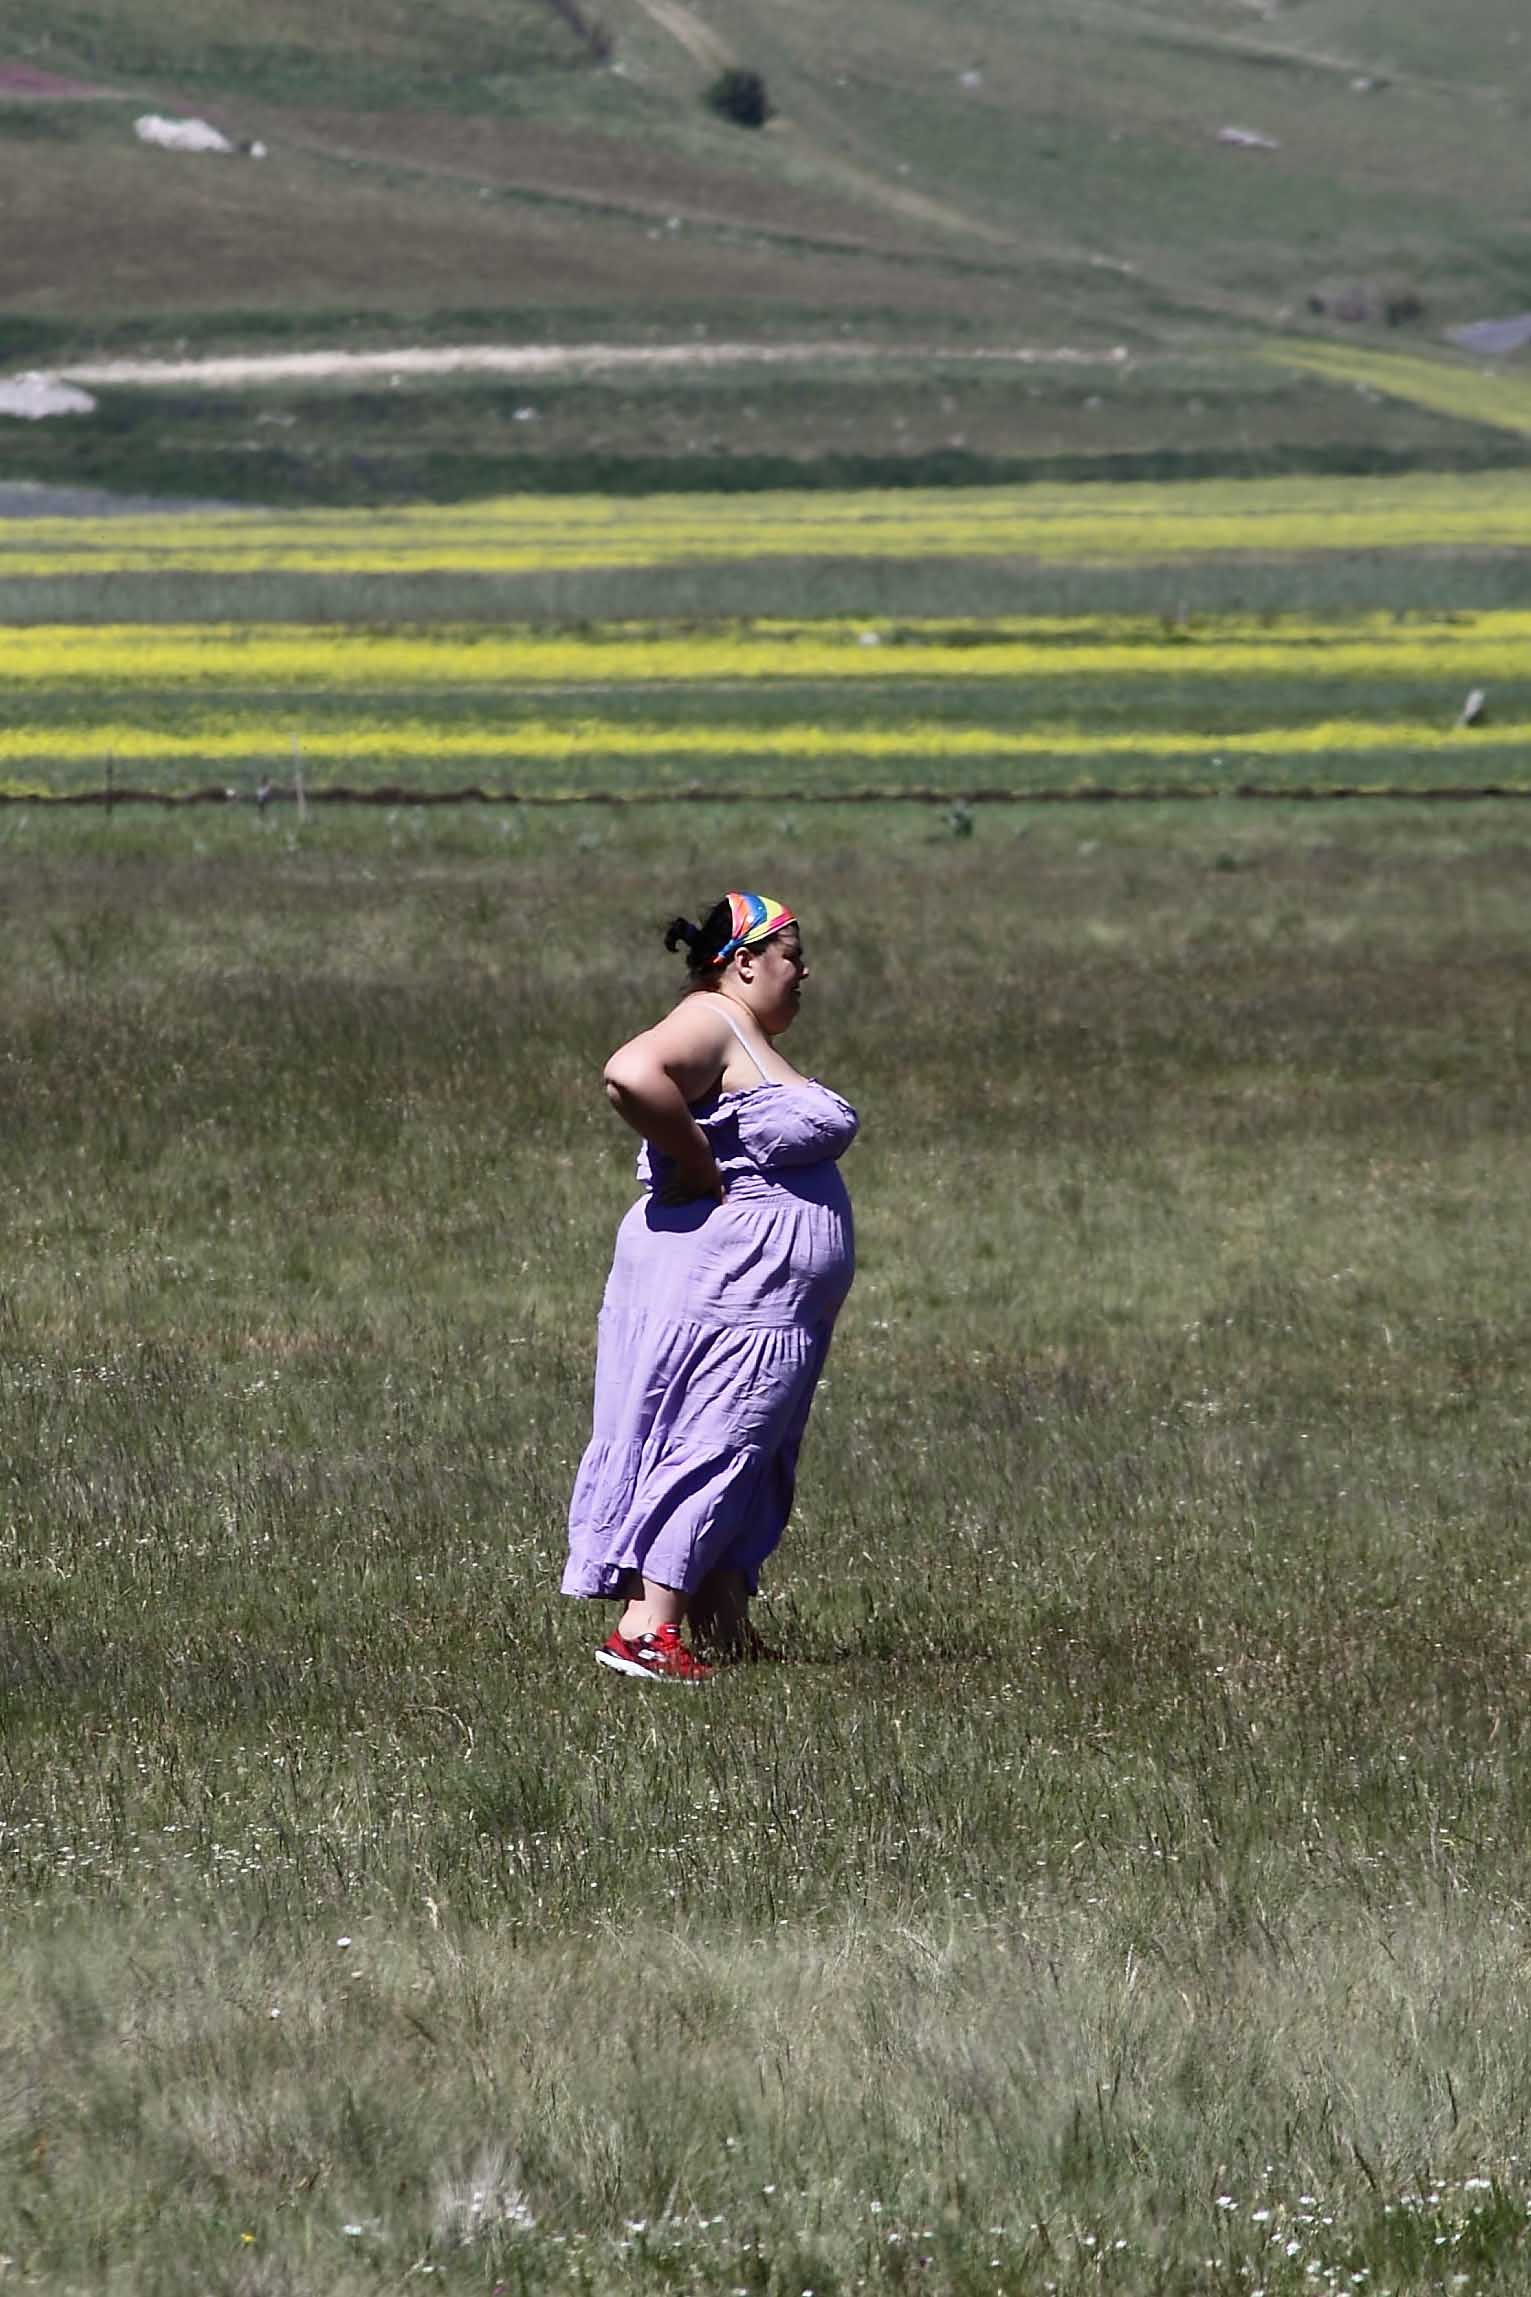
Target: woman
729 1273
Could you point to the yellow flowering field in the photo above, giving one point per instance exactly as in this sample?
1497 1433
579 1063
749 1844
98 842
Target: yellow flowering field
1026 695
1012 699
1093 524
552 761
248 660
538 741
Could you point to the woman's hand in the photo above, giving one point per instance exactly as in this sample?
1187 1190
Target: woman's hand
694 1187
648 1089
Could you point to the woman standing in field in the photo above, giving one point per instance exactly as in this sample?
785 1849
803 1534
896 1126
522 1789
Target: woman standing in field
729 1273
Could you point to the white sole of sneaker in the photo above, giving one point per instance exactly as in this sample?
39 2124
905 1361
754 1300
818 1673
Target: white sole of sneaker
645 1674
619 1666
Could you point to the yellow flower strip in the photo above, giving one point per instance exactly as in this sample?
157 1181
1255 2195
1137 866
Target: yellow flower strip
1156 630
1490 646
1083 524
1474 394
594 737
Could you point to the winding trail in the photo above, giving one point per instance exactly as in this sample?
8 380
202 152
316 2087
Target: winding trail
708 49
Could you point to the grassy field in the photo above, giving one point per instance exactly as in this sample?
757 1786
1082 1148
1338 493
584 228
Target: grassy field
1128 1888
1055 142
917 418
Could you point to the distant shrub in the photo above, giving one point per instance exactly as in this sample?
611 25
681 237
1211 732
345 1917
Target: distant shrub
1361 303
740 95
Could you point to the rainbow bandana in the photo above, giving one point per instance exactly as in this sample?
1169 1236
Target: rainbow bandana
755 918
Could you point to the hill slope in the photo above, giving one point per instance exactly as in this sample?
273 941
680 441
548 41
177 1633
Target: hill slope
1179 178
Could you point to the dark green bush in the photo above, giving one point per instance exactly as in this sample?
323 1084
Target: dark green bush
740 95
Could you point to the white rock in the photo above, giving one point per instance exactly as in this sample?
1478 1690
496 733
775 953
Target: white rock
1250 139
33 396
180 135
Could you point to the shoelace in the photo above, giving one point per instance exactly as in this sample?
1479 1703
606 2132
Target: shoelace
666 1640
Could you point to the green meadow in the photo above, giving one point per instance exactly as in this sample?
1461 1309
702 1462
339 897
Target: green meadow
1126 1885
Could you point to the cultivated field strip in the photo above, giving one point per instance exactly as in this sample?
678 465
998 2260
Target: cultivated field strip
1472 394
1022 702
1050 524
588 738
836 703
551 763
265 658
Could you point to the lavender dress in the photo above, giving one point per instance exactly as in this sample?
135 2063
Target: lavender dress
713 1333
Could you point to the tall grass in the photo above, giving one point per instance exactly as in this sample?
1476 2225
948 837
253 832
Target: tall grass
1140 1843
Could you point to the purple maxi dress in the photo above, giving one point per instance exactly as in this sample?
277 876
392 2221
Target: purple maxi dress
713 1333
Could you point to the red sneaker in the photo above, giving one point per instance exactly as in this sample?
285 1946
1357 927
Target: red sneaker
662 1656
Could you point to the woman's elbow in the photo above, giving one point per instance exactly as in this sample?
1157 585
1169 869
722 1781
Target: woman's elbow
623 1079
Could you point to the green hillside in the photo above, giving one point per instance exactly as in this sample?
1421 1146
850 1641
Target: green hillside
1177 182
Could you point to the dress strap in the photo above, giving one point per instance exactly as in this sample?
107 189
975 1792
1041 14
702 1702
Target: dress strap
731 1023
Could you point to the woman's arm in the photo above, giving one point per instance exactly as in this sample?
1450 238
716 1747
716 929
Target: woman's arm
650 1080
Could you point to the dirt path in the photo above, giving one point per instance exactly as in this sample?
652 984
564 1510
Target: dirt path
707 48
700 42
29 81
542 359
866 184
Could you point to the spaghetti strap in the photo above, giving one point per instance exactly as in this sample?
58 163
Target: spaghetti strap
749 1048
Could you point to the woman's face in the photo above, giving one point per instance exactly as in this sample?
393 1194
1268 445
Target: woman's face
771 980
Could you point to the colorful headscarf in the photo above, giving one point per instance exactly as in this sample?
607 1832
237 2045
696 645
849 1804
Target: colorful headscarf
755 917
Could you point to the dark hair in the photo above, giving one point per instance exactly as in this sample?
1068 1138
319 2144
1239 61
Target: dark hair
706 942
703 941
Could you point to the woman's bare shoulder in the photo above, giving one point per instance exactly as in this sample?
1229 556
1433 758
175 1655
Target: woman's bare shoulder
692 1036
